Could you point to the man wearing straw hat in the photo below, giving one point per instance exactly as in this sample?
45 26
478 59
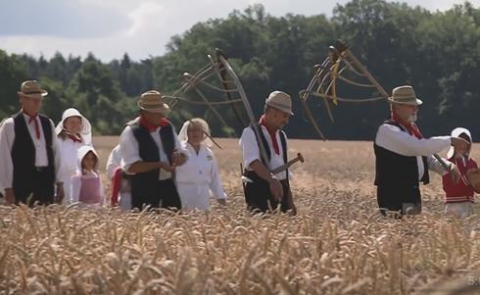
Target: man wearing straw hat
150 152
265 191
29 158
403 156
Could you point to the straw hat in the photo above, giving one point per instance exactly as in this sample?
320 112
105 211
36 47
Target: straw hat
152 101
281 101
404 95
31 89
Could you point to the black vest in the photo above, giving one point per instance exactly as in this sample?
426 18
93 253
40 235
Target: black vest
145 184
263 141
395 170
23 150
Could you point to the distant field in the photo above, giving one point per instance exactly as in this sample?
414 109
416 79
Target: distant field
338 244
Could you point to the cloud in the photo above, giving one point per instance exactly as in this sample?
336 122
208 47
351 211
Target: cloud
147 17
141 28
57 18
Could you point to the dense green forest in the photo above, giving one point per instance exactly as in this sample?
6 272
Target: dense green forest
436 52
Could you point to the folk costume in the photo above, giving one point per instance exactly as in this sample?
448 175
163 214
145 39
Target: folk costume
141 141
29 158
120 182
68 145
459 196
403 158
86 185
257 190
199 176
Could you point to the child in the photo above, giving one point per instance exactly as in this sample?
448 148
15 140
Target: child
199 174
120 184
73 132
86 185
459 196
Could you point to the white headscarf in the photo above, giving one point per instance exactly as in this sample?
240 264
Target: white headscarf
81 153
456 133
86 131
183 134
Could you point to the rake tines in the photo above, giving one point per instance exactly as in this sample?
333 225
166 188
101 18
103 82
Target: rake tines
211 87
332 71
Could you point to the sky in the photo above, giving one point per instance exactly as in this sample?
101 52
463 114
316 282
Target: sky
141 28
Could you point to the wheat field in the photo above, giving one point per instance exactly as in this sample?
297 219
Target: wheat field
337 244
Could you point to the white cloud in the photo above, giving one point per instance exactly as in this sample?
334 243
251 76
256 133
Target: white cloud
148 16
143 27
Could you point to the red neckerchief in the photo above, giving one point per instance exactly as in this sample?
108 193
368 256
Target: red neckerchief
273 135
74 138
411 127
150 127
34 119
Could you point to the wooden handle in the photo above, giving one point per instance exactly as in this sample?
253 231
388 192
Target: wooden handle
287 165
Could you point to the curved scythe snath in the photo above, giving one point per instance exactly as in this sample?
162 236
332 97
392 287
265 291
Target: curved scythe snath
330 73
218 79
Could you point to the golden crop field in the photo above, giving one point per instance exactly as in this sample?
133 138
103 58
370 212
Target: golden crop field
337 244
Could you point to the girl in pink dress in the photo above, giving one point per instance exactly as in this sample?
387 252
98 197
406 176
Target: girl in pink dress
86 185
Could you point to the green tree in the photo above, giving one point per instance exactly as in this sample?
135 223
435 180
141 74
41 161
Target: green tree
95 93
12 73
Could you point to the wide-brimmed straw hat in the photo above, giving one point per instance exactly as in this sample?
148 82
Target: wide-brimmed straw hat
32 89
281 101
152 101
404 95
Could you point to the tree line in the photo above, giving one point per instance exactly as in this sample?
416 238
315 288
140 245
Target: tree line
435 52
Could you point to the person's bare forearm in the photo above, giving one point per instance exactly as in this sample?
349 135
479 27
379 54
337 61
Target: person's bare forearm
142 167
275 186
261 170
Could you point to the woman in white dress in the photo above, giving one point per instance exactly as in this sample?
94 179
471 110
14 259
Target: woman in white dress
73 132
199 175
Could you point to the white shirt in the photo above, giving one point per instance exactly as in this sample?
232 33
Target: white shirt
129 150
200 169
394 139
67 150
7 137
251 151
114 161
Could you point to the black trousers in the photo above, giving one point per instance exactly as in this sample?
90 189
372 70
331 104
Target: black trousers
259 198
403 200
38 188
165 196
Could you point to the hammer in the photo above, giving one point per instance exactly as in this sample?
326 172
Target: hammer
288 164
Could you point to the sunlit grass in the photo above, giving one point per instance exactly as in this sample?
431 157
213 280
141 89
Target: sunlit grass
338 243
